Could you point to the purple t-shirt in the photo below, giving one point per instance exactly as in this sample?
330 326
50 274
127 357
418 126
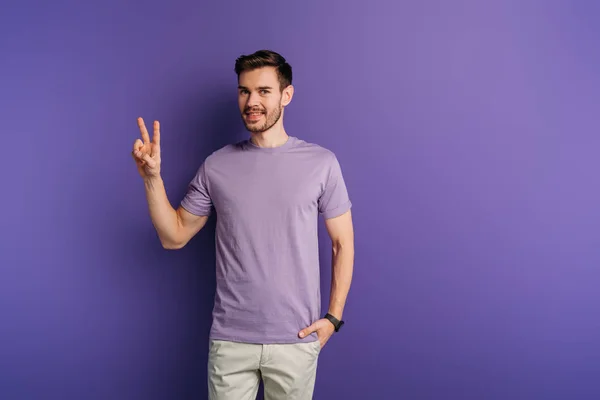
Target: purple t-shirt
267 202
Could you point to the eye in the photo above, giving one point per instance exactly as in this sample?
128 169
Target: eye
264 91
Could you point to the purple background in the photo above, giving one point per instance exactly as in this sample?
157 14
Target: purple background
468 135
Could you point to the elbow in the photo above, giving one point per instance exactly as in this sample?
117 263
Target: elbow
172 245
172 239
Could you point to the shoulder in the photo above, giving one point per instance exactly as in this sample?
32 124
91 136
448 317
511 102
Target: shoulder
323 159
315 150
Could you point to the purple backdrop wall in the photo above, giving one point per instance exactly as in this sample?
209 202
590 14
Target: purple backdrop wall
467 135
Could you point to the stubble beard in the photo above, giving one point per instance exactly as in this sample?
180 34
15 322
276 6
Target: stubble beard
271 119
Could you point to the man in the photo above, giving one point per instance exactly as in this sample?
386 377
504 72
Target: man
267 192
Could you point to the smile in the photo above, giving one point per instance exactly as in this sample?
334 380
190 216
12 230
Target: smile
254 116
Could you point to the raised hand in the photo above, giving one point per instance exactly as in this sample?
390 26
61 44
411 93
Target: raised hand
146 153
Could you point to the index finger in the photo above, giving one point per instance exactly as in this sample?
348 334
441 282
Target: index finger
143 130
156 136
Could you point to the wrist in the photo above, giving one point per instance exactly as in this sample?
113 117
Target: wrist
336 312
336 322
151 181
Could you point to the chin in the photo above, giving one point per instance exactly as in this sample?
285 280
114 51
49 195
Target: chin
255 129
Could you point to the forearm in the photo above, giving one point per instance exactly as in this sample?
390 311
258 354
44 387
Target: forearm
342 270
164 216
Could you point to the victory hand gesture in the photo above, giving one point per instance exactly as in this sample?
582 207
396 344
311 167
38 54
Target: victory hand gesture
147 153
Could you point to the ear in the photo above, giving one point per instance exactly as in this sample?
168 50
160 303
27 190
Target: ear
286 95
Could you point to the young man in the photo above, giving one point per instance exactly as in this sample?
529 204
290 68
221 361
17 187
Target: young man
267 192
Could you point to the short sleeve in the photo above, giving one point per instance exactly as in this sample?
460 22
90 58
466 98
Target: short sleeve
197 200
334 200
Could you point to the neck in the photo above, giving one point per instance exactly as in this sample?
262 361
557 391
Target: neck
274 137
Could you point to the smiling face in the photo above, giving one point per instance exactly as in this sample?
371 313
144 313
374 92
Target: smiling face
261 99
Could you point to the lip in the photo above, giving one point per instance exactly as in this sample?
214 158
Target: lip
253 116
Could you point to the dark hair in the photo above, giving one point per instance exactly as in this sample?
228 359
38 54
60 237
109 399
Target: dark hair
266 58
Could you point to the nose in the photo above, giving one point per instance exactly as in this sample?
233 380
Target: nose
253 100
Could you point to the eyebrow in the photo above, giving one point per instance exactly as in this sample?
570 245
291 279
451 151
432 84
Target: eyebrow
260 87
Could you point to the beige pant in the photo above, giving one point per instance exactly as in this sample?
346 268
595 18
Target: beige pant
288 370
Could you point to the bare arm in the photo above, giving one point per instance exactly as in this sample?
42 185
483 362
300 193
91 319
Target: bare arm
175 228
341 232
